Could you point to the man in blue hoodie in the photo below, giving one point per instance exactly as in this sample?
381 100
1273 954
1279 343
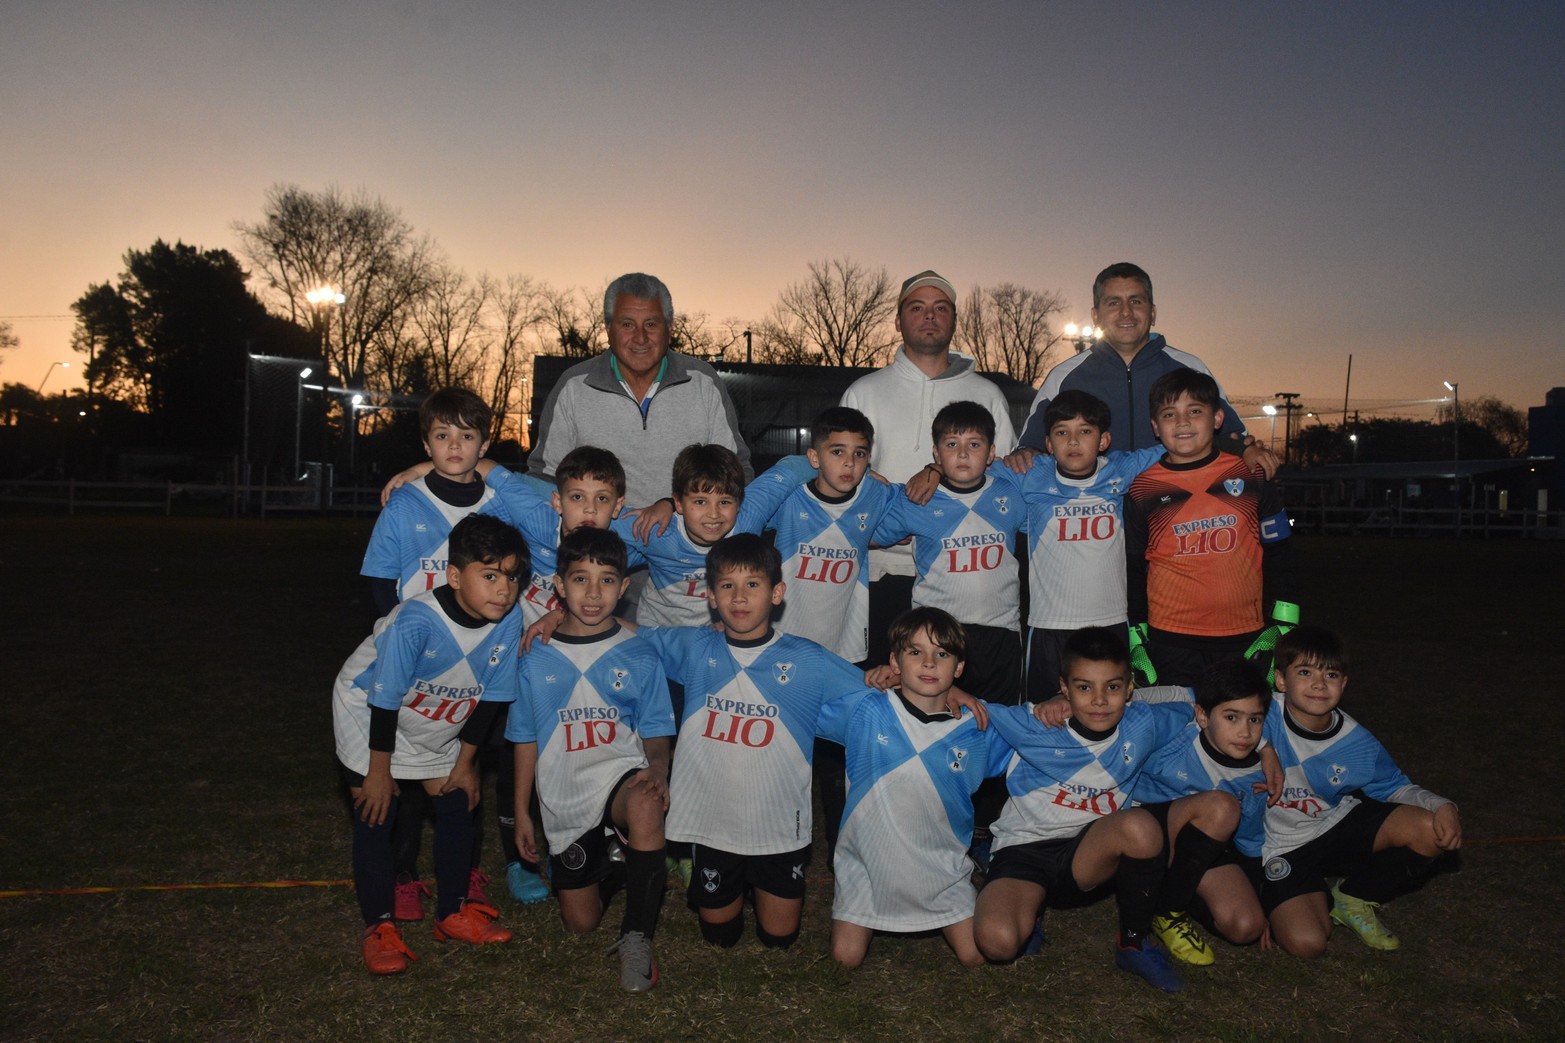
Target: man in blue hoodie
1120 368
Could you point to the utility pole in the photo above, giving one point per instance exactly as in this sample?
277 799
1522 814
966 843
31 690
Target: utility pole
1288 406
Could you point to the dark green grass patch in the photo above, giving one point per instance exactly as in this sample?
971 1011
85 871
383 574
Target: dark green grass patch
167 721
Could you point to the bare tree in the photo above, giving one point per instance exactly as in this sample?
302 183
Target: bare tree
574 321
842 309
449 317
8 339
514 315
1500 419
360 247
1006 328
780 342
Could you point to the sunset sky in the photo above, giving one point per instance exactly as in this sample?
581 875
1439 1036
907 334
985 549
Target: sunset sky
1303 181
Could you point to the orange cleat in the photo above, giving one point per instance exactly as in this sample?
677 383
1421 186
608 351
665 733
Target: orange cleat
384 950
472 923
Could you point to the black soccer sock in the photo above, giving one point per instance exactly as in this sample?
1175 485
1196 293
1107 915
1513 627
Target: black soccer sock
505 804
1136 882
408 833
831 782
373 875
453 852
646 874
724 935
1386 875
775 941
1194 853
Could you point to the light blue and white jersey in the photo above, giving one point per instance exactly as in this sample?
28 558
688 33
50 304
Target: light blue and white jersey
824 546
741 781
1061 780
675 594
432 670
527 503
1076 540
901 859
1189 765
962 549
1321 772
588 703
411 539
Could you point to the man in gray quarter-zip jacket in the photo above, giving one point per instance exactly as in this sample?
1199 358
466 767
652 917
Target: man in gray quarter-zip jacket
639 400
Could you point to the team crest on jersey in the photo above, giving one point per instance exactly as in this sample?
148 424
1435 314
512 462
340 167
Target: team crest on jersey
781 671
1337 771
711 880
1277 868
1127 751
1235 486
619 679
958 755
495 653
1002 503
1114 484
863 520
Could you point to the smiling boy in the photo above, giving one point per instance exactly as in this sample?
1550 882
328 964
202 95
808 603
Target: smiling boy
1206 542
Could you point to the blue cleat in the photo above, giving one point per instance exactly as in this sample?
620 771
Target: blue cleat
527 888
1149 963
1035 941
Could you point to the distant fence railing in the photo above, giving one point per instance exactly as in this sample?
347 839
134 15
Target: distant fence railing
171 498
1478 523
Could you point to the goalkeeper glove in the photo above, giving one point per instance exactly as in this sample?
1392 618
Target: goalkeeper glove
1141 668
1285 616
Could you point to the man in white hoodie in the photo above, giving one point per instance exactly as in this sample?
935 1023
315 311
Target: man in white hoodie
901 400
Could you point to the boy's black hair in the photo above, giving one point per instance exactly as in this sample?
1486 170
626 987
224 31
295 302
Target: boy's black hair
943 629
959 418
596 545
840 418
1229 681
1316 646
708 468
485 538
588 461
1096 645
1199 386
743 551
457 406
1121 270
1074 405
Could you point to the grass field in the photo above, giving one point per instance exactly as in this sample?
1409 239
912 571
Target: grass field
167 722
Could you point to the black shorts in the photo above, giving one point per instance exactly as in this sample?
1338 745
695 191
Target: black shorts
993 670
1336 852
586 860
717 877
1229 856
1046 863
1182 659
1045 655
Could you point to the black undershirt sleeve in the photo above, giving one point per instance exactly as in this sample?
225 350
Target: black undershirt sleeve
478 727
383 594
383 729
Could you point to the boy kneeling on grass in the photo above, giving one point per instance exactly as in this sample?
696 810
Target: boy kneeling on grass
426 665
1346 808
591 726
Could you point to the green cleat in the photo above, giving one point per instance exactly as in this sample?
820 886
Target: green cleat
1359 917
1183 939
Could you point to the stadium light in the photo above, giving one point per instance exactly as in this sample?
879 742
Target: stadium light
1082 336
1456 447
1271 411
45 380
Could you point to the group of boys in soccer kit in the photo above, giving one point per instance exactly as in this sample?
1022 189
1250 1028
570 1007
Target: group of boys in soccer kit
1224 793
